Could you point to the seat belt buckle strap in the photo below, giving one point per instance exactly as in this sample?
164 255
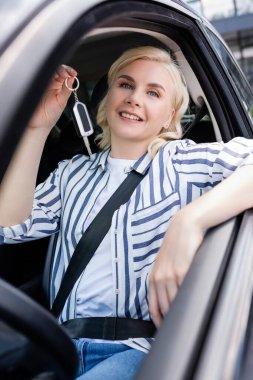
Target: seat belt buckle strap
110 328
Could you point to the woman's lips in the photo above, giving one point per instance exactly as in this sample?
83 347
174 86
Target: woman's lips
130 116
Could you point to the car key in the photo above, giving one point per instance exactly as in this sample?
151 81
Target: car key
81 118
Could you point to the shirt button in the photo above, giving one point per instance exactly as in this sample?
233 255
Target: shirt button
116 260
115 232
117 291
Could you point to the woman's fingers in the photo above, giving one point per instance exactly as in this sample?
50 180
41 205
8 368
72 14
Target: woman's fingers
65 71
54 99
162 291
163 287
172 289
64 81
154 309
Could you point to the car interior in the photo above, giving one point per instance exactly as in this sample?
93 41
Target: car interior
208 119
104 46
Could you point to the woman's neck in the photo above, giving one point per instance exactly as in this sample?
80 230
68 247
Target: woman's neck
127 150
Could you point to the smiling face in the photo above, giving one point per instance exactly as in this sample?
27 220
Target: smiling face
139 104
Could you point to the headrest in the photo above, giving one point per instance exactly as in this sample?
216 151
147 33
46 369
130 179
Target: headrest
98 93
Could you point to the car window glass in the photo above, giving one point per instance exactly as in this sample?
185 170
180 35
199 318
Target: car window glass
237 76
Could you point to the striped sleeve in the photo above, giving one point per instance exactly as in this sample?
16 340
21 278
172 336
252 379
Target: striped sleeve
199 167
45 215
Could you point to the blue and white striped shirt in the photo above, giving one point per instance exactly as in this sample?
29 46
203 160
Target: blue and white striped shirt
180 172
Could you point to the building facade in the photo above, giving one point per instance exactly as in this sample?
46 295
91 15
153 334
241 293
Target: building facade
234 21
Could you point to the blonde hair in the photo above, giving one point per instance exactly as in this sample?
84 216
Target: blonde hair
179 101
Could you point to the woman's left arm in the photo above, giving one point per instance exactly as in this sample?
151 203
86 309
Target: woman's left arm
186 232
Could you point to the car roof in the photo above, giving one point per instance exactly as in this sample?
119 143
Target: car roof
16 14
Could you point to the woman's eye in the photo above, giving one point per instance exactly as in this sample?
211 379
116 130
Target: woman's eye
153 93
126 85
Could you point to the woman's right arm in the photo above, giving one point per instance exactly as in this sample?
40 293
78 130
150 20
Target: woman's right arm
18 185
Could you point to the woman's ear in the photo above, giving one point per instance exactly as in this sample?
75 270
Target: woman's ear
167 123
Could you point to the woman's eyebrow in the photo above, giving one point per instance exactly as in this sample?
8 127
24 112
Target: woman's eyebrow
123 76
128 77
156 85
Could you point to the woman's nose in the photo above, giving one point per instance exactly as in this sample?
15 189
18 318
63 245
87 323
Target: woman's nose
134 98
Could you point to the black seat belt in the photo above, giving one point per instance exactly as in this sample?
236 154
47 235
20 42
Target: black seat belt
92 238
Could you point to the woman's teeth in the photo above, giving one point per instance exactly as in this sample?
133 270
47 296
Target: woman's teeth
129 116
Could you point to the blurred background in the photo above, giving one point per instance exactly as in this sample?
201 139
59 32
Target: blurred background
234 21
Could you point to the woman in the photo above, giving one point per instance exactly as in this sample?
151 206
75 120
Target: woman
139 266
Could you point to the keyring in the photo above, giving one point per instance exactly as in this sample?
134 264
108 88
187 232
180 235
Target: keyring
72 89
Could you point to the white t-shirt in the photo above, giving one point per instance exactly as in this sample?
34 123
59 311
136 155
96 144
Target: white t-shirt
94 293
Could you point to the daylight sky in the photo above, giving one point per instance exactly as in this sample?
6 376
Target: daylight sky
213 8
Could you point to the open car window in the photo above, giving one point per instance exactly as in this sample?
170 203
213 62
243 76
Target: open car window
86 43
90 41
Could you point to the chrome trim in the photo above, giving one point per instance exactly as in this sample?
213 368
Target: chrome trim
180 8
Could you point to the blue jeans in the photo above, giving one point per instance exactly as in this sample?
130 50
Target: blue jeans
107 361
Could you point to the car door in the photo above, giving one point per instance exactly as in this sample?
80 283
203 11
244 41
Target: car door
89 35
206 333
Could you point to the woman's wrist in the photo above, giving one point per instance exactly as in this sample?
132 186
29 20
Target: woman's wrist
191 216
39 134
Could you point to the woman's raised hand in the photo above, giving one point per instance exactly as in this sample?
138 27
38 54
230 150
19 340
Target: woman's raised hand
16 201
54 99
